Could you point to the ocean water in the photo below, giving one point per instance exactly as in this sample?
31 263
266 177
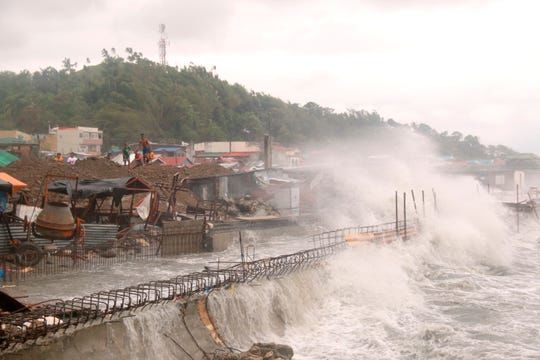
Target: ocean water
438 296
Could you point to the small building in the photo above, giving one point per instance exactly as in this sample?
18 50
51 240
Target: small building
16 134
19 146
227 147
521 170
285 157
270 186
79 139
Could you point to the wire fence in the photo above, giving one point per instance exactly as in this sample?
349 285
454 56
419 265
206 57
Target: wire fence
24 256
34 257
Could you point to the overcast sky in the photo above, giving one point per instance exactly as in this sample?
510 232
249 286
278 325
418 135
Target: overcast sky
471 66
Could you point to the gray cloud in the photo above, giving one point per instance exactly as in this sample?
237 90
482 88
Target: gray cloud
201 20
450 63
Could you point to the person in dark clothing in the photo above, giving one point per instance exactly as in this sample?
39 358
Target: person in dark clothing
126 152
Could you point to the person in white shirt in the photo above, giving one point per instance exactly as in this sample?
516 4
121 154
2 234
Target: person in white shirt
71 160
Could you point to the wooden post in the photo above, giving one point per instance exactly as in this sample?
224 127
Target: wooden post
517 207
405 216
414 202
241 248
267 151
131 207
435 207
397 216
423 204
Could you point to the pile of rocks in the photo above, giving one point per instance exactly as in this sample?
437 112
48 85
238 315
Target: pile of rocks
261 351
250 207
33 171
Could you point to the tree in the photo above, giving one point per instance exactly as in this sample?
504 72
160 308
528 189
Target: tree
69 67
192 104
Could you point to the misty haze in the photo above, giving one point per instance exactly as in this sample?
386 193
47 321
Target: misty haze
269 180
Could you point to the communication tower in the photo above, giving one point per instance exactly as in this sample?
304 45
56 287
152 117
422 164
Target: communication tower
162 43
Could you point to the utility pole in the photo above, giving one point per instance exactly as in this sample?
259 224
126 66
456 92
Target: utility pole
162 43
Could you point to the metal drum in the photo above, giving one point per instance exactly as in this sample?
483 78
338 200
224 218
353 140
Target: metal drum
55 222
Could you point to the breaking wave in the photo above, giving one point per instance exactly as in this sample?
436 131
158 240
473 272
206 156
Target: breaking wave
148 333
445 294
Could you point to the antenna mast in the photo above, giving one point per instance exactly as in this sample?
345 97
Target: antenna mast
162 43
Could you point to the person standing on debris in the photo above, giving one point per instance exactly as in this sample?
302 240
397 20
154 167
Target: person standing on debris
145 146
59 157
72 159
126 151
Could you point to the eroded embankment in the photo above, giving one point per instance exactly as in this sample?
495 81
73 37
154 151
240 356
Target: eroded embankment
166 331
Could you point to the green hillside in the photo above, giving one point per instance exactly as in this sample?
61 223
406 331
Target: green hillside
126 96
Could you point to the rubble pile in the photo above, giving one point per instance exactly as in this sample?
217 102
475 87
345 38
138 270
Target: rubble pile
202 170
33 171
250 206
260 351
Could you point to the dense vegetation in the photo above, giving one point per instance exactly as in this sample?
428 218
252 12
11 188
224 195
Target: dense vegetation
125 96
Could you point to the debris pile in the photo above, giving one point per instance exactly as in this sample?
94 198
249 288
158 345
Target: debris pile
251 207
33 171
260 351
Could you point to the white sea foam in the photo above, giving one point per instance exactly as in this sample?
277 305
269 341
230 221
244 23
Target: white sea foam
466 288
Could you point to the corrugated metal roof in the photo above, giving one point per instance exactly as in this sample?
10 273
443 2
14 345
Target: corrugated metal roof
228 154
6 158
14 141
175 161
168 148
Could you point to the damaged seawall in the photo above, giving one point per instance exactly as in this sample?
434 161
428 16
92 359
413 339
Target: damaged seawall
157 319
164 331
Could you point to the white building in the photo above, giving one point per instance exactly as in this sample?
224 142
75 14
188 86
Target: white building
227 146
80 139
